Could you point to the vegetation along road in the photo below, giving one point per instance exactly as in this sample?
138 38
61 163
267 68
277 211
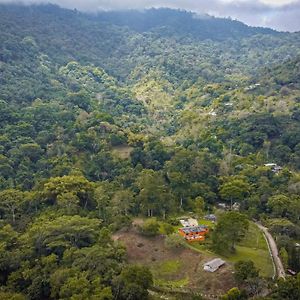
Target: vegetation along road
273 251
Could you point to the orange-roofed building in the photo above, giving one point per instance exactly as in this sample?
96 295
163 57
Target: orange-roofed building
194 233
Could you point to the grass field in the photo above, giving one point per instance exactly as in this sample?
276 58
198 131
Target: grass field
255 248
175 270
164 273
252 247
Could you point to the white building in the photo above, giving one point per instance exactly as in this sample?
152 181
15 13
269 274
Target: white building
213 265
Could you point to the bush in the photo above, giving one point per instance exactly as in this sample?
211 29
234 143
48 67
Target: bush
167 228
174 241
173 221
150 228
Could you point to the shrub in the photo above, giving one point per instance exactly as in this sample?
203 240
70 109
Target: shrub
167 228
174 241
150 228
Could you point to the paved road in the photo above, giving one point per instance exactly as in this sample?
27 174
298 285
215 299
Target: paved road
273 251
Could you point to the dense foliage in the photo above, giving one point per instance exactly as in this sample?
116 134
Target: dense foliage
109 116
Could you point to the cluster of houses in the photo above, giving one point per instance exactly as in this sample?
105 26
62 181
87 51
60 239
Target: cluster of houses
192 231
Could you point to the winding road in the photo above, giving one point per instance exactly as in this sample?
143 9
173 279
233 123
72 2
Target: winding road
280 272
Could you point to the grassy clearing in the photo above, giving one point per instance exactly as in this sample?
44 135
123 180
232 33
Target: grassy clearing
255 248
171 284
208 223
252 247
169 267
261 259
175 269
122 151
166 274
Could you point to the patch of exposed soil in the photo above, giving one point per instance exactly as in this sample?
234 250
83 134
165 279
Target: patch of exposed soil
151 251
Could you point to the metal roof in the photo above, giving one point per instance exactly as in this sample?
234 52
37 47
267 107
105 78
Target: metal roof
194 229
215 263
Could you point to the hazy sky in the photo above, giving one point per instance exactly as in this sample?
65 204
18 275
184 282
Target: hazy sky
278 14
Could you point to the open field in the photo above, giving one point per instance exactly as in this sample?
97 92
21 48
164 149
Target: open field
182 270
175 269
255 248
252 247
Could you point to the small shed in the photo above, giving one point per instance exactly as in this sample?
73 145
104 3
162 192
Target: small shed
213 265
236 206
274 167
211 217
184 223
189 222
193 222
293 273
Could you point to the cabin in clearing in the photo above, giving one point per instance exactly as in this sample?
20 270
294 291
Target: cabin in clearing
194 233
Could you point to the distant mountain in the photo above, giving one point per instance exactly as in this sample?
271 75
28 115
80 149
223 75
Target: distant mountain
35 41
178 22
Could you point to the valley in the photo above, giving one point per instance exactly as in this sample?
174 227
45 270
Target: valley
116 125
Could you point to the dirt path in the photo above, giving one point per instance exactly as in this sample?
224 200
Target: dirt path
280 272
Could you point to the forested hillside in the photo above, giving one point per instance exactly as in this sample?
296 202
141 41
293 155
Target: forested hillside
115 115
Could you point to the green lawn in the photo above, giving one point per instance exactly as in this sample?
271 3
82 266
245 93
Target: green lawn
255 248
163 272
171 284
210 224
252 247
261 259
168 267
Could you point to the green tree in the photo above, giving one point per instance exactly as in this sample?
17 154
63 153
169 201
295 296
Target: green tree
288 289
69 201
153 194
235 190
230 229
168 228
102 197
11 296
57 235
244 270
133 283
175 241
122 201
279 204
11 201
67 185
199 205
150 227
235 294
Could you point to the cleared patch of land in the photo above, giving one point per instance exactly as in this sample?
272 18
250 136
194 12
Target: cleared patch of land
176 270
182 270
253 247
122 151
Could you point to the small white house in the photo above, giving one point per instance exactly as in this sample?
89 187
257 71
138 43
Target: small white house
190 222
211 218
184 223
193 222
274 167
213 265
271 165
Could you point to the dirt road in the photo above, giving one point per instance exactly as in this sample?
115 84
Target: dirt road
280 272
